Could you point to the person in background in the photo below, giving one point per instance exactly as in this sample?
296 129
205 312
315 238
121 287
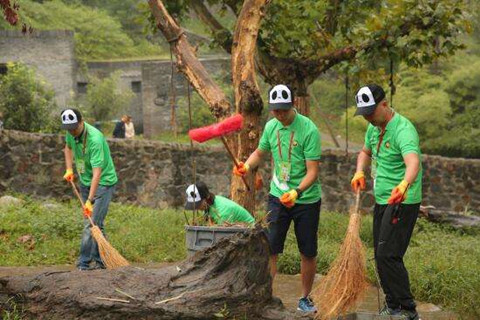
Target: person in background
217 208
129 128
119 131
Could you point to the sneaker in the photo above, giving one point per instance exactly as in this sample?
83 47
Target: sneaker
410 314
97 266
306 305
83 268
387 311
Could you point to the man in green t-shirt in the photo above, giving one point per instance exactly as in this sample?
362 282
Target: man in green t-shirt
216 208
88 147
392 149
295 193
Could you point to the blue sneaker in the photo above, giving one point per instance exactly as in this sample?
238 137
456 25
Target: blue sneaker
306 305
386 311
410 314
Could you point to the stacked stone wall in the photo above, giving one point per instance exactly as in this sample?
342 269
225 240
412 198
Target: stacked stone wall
156 174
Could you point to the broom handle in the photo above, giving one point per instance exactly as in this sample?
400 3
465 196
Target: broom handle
75 190
234 160
357 201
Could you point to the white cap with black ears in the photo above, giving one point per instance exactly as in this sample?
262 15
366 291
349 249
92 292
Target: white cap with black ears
280 98
367 98
71 118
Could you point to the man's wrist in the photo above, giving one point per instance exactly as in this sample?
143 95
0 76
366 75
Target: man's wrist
299 192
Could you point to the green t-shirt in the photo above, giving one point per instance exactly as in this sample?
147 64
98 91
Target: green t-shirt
400 139
226 210
304 138
92 151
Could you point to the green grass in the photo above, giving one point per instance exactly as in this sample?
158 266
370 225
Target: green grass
444 264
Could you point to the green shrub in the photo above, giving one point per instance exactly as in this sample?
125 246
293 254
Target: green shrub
105 99
26 100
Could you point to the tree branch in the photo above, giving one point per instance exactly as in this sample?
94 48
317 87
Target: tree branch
188 63
221 34
322 64
331 18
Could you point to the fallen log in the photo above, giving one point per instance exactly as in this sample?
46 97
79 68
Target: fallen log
454 219
229 280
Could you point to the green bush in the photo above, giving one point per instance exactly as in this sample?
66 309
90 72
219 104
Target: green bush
105 99
26 100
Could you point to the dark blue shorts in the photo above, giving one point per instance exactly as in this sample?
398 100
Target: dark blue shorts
305 218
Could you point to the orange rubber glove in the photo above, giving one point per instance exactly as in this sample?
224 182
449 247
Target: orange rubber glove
399 193
241 170
358 181
288 198
68 175
87 209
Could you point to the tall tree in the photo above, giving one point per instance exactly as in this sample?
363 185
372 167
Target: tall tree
300 40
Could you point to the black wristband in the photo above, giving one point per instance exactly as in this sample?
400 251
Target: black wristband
299 192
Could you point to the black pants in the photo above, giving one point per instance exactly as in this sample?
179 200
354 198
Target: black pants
392 230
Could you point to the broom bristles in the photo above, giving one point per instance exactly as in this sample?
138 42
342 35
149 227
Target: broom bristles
345 282
110 256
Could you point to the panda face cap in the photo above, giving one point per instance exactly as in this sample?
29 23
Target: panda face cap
367 99
280 98
71 118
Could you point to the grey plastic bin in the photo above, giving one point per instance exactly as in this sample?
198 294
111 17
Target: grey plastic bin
200 237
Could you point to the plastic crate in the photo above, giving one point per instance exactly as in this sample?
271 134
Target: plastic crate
200 237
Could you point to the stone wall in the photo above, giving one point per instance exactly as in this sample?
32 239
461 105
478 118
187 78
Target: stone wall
156 174
51 53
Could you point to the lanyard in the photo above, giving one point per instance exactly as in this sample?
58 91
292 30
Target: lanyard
84 143
289 146
380 141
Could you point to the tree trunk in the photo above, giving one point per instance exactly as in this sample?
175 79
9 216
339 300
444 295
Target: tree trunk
188 63
302 99
248 100
231 279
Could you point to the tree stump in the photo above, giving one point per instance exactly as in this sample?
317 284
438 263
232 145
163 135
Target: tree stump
230 280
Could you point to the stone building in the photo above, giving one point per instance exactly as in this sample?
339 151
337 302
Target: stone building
52 54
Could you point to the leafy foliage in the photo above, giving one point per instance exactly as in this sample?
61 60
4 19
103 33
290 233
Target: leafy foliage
26 101
97 35
411 31
105 99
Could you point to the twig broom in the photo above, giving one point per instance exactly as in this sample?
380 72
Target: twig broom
110 256
345 282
